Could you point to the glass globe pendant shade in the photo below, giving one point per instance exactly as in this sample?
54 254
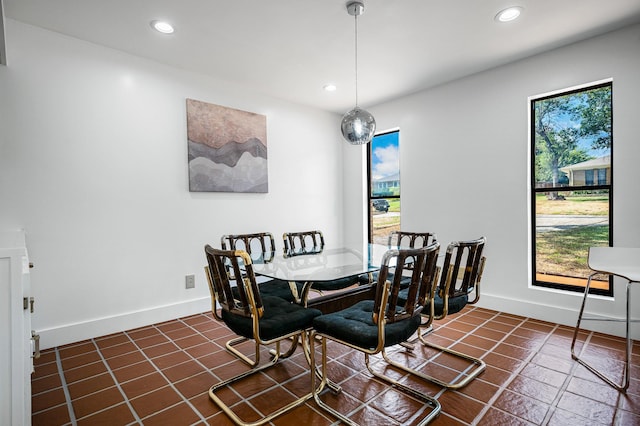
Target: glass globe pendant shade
358 126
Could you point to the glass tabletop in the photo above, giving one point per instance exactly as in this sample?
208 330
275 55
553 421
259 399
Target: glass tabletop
326 265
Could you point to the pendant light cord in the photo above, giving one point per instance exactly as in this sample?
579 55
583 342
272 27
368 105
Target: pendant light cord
356 18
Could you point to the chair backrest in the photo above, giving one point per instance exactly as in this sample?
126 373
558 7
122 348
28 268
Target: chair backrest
462 268
260 246
406 239
421 263
229 269
303 242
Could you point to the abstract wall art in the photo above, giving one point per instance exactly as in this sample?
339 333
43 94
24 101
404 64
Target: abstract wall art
227 149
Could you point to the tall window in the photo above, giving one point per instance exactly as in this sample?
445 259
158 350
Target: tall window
384 186
571 185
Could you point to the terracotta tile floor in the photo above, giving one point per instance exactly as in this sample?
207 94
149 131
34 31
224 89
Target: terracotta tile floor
160 375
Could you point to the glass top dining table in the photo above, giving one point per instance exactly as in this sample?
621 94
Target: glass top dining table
324 265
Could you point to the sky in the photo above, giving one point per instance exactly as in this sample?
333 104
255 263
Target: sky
385 155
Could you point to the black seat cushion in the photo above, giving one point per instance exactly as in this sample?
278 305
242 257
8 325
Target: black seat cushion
338 284
368 278
355 325
456 304
279 288
279 319
276 288
364 279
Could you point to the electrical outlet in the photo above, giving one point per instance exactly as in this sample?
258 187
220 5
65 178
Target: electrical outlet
190 281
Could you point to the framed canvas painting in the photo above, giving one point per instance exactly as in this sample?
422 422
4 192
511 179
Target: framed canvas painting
227 149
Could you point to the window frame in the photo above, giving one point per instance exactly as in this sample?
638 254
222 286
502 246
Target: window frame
593 187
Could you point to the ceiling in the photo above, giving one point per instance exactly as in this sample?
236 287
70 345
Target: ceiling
291 48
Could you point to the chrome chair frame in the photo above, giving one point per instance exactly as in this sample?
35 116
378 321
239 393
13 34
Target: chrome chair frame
424 261
471 271
250 306
621 262
261 247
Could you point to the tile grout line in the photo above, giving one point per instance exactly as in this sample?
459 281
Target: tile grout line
496 315
364 404
565 385
540 350
561 389
481 324
65 389
117 382
554 404
488 404
241 397
434 359
512 374
170 382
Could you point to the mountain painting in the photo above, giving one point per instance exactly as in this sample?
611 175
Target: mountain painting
227 149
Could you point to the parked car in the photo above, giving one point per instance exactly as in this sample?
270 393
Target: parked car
380 205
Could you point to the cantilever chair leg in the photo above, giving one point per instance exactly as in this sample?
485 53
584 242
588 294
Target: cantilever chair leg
476 366
227 410
461 273
434 403
369 326
275 353
324 381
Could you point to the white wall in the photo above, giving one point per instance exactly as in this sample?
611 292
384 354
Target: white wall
464 157
93 164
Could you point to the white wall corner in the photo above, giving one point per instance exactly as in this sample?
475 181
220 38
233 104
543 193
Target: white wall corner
3 45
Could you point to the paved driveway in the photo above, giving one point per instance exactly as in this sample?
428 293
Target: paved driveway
555 222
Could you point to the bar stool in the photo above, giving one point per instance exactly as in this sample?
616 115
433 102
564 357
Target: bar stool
621 262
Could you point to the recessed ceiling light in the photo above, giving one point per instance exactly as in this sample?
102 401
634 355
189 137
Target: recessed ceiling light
329 87
508 14
161 26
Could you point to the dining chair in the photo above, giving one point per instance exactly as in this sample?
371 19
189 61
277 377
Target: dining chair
309 243
262 249
267 320
399 239
305 242
402 239
460 276
370 326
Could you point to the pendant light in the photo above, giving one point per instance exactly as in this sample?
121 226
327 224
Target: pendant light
358 125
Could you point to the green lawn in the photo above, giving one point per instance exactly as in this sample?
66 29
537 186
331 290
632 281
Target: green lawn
565 252
592 205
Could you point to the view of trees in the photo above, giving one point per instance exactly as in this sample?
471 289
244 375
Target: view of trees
568 128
